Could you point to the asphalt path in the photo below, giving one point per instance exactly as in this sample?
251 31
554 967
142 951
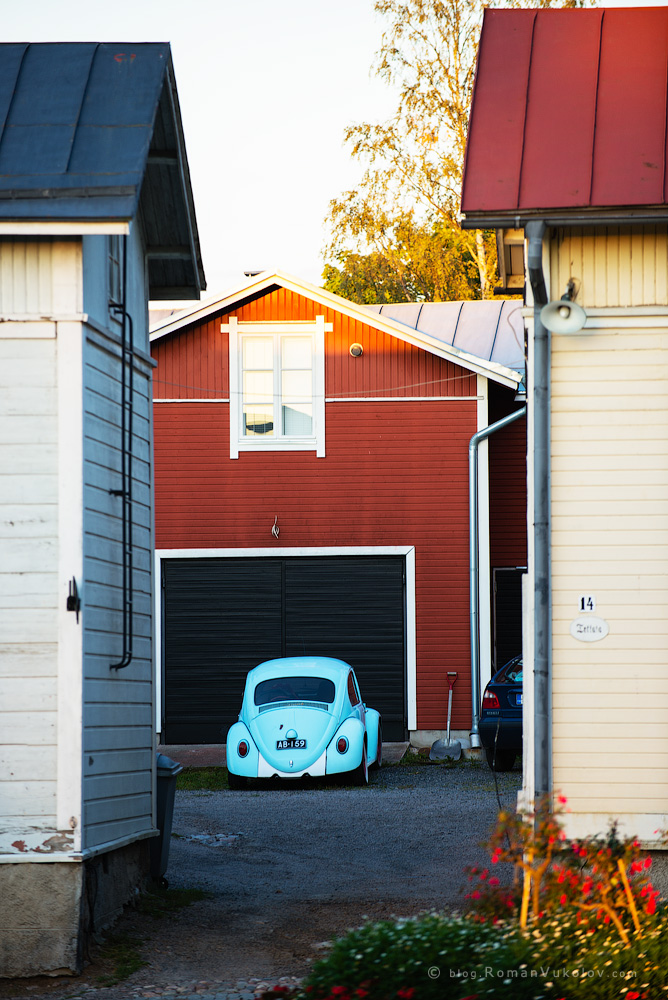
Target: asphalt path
288 867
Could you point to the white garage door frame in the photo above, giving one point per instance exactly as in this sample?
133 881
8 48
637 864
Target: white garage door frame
407 551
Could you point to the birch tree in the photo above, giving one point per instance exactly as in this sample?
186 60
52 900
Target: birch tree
398 233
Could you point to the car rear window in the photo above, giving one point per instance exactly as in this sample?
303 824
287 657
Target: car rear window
512 673
295 689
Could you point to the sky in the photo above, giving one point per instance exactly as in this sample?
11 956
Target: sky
266 90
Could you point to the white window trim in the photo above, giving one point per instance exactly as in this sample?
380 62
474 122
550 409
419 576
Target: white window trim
317 329
408 551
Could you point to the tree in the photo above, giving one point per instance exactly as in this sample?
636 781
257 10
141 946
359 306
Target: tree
398 233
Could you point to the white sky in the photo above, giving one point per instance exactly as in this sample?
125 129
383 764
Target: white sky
266 90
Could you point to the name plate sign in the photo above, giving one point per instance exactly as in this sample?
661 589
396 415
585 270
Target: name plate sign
589 628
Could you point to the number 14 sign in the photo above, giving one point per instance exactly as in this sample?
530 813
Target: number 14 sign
586 602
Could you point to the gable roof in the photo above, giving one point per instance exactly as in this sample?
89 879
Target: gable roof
91 134
492 317
569 118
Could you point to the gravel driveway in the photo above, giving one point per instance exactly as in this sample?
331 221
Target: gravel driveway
290 867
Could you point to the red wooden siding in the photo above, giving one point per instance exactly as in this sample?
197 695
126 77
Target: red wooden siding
395 472
507 484
377 486
193 363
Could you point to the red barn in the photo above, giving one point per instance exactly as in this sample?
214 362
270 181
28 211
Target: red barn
312 496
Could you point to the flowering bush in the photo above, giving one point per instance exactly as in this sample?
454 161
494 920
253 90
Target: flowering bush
430 957
575 920
605 880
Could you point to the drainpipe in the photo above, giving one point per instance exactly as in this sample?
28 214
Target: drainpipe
474 564
541 540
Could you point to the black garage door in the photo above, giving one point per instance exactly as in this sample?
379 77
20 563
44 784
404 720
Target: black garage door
221 617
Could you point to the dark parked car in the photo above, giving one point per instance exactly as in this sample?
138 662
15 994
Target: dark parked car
501 716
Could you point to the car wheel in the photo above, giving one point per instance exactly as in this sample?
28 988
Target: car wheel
360 775
235 782
500 760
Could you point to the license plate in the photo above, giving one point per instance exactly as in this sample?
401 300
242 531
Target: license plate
291 744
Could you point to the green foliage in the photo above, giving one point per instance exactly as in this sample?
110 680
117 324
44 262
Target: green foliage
415 262
396 236
431 957
160 902
121 953
194 779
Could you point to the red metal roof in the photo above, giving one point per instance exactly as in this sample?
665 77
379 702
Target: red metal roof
569 115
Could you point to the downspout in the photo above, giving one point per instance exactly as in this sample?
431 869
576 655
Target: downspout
125 492
541 539
474 564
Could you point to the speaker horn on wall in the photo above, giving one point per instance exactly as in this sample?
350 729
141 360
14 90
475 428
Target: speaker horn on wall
564 316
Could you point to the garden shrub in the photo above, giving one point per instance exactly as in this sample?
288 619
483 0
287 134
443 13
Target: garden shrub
578 920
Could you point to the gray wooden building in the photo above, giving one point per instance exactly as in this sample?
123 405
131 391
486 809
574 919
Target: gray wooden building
96 217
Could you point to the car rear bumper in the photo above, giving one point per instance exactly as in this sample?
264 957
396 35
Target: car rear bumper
509 736
267 770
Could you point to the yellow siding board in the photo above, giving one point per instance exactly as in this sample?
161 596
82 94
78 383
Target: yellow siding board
619 266
641 711
589 743
609 497
608 688
610 761
574 731
607 522
620 800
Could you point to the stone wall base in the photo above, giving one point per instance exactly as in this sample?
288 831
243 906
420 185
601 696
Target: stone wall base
50 910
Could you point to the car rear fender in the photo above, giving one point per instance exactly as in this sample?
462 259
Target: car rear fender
353 730
244 766
372 726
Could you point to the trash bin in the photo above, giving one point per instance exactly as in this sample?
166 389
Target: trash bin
167 771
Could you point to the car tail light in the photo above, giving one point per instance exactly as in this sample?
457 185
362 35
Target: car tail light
489 700
242 749
342 744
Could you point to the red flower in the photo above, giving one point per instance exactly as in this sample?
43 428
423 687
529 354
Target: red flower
484 873
339 991
562 800
406 992
563 899
494 880
651 906
361 993
632 995
636 867
648 864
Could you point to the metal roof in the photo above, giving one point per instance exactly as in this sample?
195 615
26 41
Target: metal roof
568 119
492 330
91 132
485 337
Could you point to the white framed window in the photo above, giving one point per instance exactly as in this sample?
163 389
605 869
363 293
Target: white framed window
277 385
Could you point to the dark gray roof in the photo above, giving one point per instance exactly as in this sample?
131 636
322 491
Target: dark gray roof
492 329
91 132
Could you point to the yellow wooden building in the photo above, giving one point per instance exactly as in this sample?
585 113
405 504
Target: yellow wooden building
580 167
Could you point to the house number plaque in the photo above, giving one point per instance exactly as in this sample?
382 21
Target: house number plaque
589 628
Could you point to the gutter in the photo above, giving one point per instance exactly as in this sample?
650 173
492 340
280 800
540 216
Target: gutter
535 231
474 564
566 217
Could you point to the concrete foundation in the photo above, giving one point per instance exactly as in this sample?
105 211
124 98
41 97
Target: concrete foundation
425 737
51 909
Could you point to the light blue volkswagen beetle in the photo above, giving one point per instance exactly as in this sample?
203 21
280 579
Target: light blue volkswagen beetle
303 715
